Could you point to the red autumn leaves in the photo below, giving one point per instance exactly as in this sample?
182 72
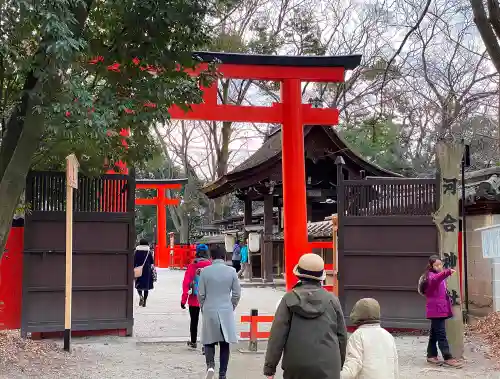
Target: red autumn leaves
115 67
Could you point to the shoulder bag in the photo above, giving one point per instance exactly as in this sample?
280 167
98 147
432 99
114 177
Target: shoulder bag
138 270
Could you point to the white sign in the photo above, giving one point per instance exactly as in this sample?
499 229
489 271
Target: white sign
72 166
490 237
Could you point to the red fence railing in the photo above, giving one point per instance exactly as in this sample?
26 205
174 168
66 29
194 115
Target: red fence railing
181 256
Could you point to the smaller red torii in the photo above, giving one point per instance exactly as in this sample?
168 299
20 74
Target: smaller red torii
161 201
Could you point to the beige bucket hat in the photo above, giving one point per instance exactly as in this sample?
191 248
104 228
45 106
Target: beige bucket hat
310 266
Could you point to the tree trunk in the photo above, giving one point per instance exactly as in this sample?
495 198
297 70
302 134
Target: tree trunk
449 158
484 25
184 229
13 181
26 131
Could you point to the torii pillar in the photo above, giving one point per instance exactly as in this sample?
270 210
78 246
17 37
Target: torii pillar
291 72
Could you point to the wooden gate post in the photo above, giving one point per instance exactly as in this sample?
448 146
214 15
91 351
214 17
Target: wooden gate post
71 183
449 158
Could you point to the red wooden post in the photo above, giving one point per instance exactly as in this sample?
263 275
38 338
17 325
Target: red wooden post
161 229
294 177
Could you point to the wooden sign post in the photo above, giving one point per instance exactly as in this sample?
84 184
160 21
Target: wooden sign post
71 183
449 159
335 228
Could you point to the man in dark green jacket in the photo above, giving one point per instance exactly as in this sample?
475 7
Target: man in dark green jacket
308 329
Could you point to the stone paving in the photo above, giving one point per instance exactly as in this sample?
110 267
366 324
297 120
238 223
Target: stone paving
153 353
163 318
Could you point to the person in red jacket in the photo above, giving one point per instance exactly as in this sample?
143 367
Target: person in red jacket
190 290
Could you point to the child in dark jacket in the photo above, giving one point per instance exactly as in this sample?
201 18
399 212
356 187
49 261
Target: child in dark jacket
438 310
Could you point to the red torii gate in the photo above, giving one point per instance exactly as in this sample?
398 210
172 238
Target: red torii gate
161 201
290 71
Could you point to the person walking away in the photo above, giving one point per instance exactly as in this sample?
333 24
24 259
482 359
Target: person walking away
308 329
218 293
432 285
143 263
244 259
371 350
237 256
190 287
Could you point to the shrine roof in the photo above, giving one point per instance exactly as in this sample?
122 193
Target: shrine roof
349 62
482 185
269 154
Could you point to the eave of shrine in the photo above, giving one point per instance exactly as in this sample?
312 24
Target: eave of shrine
268 159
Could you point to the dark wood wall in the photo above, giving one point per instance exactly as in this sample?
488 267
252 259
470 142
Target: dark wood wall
104 239
386 235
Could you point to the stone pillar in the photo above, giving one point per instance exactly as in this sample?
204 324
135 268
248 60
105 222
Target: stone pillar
449 158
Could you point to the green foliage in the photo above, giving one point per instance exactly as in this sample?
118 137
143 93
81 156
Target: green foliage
118 72
377 141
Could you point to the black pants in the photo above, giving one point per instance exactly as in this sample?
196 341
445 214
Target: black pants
438 337
224 357
146 293
194 313
237 265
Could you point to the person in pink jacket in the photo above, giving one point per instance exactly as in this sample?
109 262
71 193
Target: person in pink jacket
438 310
190 290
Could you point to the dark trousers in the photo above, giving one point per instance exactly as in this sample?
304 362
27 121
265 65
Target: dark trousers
438 337
224 357
146 293
194 313
237 265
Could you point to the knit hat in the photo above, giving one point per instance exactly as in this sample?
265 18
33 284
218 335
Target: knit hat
202 251
310 266
366 311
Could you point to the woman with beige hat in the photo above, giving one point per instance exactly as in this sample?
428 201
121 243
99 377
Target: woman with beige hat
308 328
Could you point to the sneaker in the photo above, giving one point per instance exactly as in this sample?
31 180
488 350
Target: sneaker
434 361
210 373
454 363
141 301
191 345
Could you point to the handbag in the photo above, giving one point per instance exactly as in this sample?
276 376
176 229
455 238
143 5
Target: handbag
138 270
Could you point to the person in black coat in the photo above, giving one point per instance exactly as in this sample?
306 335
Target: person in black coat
144 257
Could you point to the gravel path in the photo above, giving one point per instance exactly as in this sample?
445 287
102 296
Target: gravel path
151 354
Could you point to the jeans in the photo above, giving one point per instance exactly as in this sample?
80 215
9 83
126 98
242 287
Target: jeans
224 357
438 337
194 313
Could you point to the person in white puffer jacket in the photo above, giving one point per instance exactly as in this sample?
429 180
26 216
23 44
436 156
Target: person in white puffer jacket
371 350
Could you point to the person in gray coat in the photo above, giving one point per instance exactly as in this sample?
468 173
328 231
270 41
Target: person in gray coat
219 292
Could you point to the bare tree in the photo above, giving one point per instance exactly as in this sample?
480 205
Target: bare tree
446 82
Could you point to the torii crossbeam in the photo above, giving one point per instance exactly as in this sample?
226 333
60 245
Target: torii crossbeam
291 72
